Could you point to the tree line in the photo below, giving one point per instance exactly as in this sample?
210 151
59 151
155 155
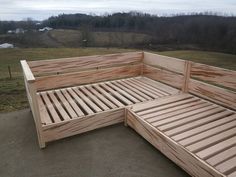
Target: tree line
204 30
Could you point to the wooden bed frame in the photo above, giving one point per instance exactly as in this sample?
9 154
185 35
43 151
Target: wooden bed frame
185 109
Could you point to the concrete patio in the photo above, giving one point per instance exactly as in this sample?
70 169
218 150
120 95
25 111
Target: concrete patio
115 151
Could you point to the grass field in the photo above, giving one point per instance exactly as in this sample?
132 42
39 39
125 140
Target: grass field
12 91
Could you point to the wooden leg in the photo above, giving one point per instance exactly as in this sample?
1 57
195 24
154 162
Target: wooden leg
125 120
42 144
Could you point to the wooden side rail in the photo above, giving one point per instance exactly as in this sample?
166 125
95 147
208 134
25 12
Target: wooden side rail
27 71
31 92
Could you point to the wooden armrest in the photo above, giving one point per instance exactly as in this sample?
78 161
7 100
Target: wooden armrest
27 71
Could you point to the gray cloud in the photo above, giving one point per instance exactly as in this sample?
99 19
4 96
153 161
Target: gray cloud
19 9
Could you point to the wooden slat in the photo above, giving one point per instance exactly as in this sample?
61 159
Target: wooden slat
135 90
215 75
83 63
189 117
43 111
72 102
116 94
86 100
94 98
223 156
167 77
156 90
51 108
138 97
126 94
211 140
219 95
169 63
144 89
180 114
107 95
160 102
208 133
206 153
227 166
172 110
101 97
27 71
233 174
169 107
141 90
86 77
208 116
80 101
58 105
66 104
165 88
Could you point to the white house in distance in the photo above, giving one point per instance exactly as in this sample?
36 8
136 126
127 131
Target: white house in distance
20 31
16 31
45 29
6 45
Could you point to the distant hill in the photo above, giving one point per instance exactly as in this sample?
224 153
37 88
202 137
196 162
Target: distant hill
75 38
206 31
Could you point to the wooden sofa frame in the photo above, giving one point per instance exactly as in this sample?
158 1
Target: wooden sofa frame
143 83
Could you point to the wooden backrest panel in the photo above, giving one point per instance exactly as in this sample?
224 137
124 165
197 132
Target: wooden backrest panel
87 77
169 63
167 77
164 69
209 82
216 94
65 65
214 75
213 83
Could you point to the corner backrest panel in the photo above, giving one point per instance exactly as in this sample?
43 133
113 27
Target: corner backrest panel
216 84
164 69
52 74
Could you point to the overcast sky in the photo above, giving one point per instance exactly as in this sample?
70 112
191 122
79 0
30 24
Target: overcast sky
42 9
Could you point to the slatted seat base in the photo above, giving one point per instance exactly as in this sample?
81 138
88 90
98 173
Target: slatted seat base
83 103
196 134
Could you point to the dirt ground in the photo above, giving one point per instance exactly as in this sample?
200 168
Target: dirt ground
114 151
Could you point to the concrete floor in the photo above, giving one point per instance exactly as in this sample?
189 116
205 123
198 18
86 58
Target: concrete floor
114 151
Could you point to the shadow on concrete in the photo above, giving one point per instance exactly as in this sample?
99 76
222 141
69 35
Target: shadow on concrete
114 151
